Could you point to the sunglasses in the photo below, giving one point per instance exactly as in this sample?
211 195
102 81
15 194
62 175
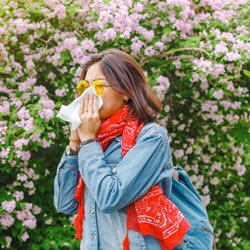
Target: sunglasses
98 85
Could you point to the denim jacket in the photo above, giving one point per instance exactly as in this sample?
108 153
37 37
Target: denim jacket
112 183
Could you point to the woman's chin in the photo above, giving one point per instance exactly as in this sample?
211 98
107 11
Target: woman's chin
102 117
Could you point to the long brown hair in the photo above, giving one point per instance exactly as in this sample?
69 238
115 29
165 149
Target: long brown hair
126 77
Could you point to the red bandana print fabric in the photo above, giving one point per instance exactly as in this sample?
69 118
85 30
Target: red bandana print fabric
153 214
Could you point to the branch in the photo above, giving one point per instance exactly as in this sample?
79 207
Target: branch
166 54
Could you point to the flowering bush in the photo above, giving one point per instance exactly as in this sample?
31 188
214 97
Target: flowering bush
195 54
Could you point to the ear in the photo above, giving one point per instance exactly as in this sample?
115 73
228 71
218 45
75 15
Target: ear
125 98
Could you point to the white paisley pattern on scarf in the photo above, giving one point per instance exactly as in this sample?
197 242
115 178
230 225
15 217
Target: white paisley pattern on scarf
159 212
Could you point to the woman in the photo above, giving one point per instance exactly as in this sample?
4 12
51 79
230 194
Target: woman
118 156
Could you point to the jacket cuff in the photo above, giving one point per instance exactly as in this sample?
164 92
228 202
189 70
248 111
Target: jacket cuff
89 149
71 161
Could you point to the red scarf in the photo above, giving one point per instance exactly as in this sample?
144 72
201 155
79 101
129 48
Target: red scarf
153 214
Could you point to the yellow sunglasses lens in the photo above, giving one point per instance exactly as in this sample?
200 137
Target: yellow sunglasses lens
98 85
82 86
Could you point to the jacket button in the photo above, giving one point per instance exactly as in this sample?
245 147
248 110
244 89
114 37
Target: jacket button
92 211
114 170
93 237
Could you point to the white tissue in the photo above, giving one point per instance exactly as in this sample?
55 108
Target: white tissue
70 113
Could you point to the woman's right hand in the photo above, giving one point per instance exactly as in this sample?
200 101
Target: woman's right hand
74 136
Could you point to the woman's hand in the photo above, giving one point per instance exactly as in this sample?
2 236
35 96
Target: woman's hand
74 134
89 116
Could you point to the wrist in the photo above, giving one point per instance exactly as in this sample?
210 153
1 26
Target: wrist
84 142
73 145
85 138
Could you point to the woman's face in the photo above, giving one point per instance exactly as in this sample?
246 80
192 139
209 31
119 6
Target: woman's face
112 100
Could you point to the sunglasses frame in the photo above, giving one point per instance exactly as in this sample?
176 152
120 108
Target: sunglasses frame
99 79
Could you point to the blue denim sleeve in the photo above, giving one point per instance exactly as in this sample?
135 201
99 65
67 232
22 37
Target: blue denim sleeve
136 173
65 184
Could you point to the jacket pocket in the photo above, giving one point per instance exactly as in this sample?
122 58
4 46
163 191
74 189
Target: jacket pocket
206 229
204 237
136 240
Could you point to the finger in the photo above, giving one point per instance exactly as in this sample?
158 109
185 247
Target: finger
90 105
85 105
81 106
95 105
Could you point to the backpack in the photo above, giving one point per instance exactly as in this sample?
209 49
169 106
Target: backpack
183 194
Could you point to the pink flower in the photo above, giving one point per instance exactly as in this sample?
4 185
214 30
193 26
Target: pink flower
136 46
52 135
21 26
19 195
241 169
70 43
30 223
26 96
23 113
214 181
178 153
27 84
138 7
35 137
163 80
21 177
40 90
231 56
205 158
51 76
27 125
29 184
5 152
216 166
160 45
45 144
61 92
88 45
20 142
25 156
236 105
60 11
203 65
36 209
30 64
221 48
25 236
46 114
109 34
21 215
47 103
8 241
6 220
9 206
148 34
225 104
218 94
218 70
230 86
5 107
206 199
149 51
177 64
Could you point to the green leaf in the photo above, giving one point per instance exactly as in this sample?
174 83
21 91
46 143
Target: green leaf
65 57
167 30
246 72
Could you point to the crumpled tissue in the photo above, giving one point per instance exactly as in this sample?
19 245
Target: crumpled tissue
70 113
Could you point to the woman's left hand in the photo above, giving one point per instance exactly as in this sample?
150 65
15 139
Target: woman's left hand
89 116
